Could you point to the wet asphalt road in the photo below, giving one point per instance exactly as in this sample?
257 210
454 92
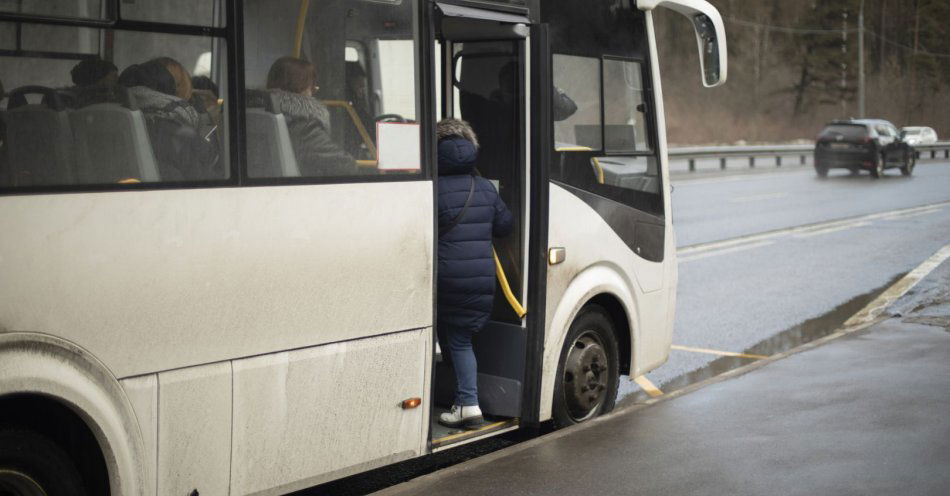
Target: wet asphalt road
736 296
862 414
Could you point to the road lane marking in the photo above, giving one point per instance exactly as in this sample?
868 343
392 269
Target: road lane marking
764 196
874 309
724 251
682 178
717 352
844 227
769 235
913 214
648 386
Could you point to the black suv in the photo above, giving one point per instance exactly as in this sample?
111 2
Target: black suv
856 144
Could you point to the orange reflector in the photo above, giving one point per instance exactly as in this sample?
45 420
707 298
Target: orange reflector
129 180
411 403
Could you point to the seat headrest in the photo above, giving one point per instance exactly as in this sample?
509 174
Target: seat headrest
105 93
51 97
262 99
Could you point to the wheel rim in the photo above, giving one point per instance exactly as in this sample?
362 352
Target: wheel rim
586 373
16 483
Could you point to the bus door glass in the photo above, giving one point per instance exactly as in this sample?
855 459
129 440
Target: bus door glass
481 79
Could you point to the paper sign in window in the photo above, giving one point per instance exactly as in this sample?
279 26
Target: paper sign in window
398 146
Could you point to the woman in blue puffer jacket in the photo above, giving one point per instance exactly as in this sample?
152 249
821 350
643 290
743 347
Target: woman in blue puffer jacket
466 263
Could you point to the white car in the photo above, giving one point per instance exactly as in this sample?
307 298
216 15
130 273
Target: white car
918 135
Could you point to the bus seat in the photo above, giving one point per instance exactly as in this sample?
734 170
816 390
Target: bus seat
38 141
112 145
270 152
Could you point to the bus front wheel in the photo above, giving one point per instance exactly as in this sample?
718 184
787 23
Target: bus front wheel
32 465
588 370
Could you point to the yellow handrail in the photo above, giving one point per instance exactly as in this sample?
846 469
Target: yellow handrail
301 21
505 288
356 122
600 170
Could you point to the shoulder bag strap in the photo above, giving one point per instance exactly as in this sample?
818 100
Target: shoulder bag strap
448 227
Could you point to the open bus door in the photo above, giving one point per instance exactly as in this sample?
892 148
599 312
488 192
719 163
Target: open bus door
481 66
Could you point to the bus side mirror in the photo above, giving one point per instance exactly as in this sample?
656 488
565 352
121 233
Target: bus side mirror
710 35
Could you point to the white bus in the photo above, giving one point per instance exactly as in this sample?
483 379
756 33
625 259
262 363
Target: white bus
255 323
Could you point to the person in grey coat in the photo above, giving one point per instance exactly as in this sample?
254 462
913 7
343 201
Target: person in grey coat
470 214
293 82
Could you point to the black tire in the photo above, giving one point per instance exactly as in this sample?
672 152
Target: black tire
821 171
878 170
910 160
584 387
31 464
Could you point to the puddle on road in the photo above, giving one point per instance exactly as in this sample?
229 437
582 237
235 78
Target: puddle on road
805 332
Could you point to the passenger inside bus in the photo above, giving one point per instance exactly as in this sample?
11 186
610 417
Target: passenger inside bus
161 88
205 98
94 71
292 81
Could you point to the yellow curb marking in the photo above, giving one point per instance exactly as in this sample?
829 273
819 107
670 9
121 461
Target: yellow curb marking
717 352
876 307
648 386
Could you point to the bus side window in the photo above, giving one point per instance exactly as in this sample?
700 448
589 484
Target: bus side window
71 125
363 57
625 119
605 146
579 79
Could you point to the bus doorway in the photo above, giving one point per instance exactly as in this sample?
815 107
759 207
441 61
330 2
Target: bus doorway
481 71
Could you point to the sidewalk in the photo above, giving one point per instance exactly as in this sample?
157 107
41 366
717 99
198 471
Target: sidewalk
866 413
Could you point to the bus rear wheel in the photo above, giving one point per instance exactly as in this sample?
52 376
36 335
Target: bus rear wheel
588 370
32 465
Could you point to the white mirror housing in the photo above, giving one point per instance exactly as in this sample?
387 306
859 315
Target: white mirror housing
710 35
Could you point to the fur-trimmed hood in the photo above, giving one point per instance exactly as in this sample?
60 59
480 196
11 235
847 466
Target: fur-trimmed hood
169 106
455 127
296 106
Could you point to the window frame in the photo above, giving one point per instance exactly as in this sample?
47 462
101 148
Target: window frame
648 203
647 100
231 33
424 173
600 95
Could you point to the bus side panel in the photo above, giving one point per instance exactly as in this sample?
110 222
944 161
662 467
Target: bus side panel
154 280
598 261
308 416
194 429
142 392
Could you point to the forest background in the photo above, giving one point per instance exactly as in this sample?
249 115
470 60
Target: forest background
793 66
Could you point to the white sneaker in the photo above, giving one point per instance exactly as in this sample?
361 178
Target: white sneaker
462 416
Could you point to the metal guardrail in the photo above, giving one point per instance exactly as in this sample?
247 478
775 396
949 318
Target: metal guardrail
933 149
777 152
